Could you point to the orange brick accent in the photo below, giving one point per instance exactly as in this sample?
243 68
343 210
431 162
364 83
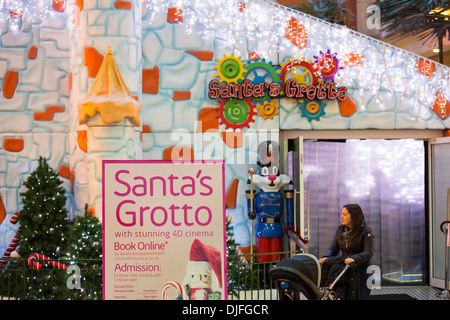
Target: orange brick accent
352 59
92 60
174 15
441 106
70 81
72 180
10 84
347 107
427 68
178 152
202 55
75 15
233 140
145 129
2 210
66 173
150 80
241 6
82 140
447 133
181 95
208 120
231 195
254 55
48 114
123 5
91 211
32 53
13 144
59 5
296 33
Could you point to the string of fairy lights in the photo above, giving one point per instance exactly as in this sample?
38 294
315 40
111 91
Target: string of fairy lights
261 25
21 14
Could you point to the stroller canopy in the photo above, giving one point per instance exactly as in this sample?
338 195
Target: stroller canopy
298 274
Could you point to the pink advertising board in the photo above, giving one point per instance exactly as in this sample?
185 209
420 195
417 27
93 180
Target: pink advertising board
164 230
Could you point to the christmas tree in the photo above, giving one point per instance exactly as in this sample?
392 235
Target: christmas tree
44 230
44 223
85 250
241 275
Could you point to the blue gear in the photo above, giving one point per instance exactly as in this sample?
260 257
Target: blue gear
312 109
261 72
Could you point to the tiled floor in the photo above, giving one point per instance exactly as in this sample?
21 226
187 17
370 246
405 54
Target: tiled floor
419 293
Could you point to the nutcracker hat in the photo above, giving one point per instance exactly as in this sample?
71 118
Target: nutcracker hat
204 252
268 153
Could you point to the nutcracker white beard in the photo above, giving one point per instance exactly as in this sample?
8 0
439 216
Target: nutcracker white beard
200 294
200 280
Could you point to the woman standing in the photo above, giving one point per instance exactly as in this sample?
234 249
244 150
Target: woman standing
354 239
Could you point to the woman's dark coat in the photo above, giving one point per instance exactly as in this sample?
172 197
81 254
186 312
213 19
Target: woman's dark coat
361 250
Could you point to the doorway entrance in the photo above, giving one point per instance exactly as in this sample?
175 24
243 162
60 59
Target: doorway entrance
439 153
387 177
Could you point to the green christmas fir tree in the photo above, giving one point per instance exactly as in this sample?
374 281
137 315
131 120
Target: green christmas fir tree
44 223
84 250
44 229
241 275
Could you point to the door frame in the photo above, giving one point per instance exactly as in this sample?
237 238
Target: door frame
435 282
300 224
430 136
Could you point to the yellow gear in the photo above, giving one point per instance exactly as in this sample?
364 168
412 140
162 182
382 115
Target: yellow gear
268 109
230 69
305 73
312 107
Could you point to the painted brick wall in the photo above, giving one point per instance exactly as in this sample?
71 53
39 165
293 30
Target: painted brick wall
167 63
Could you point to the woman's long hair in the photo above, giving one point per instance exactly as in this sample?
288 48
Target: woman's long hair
358 221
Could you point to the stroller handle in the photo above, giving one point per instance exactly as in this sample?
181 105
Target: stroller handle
331 286
329 289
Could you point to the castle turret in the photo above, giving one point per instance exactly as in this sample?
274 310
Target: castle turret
111 115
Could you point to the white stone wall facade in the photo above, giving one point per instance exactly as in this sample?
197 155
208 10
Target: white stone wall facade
167 55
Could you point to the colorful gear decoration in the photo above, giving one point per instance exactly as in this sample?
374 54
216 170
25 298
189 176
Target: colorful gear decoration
268 110
230 69
302 71
261 72
327 64
312 109
236 113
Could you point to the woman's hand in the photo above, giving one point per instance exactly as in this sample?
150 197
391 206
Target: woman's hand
321 261
349 260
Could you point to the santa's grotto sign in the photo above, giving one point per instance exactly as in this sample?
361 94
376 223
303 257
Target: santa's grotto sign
164 230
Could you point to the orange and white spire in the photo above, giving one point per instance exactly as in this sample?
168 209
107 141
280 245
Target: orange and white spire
109 96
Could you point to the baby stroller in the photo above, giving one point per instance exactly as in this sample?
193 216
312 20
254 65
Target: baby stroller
301 275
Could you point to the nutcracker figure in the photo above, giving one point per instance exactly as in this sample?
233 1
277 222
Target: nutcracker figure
266 205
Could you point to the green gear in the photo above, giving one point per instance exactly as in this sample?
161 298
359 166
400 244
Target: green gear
230 69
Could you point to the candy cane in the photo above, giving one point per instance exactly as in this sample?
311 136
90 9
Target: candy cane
38 265
14 218
12 246
176 285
